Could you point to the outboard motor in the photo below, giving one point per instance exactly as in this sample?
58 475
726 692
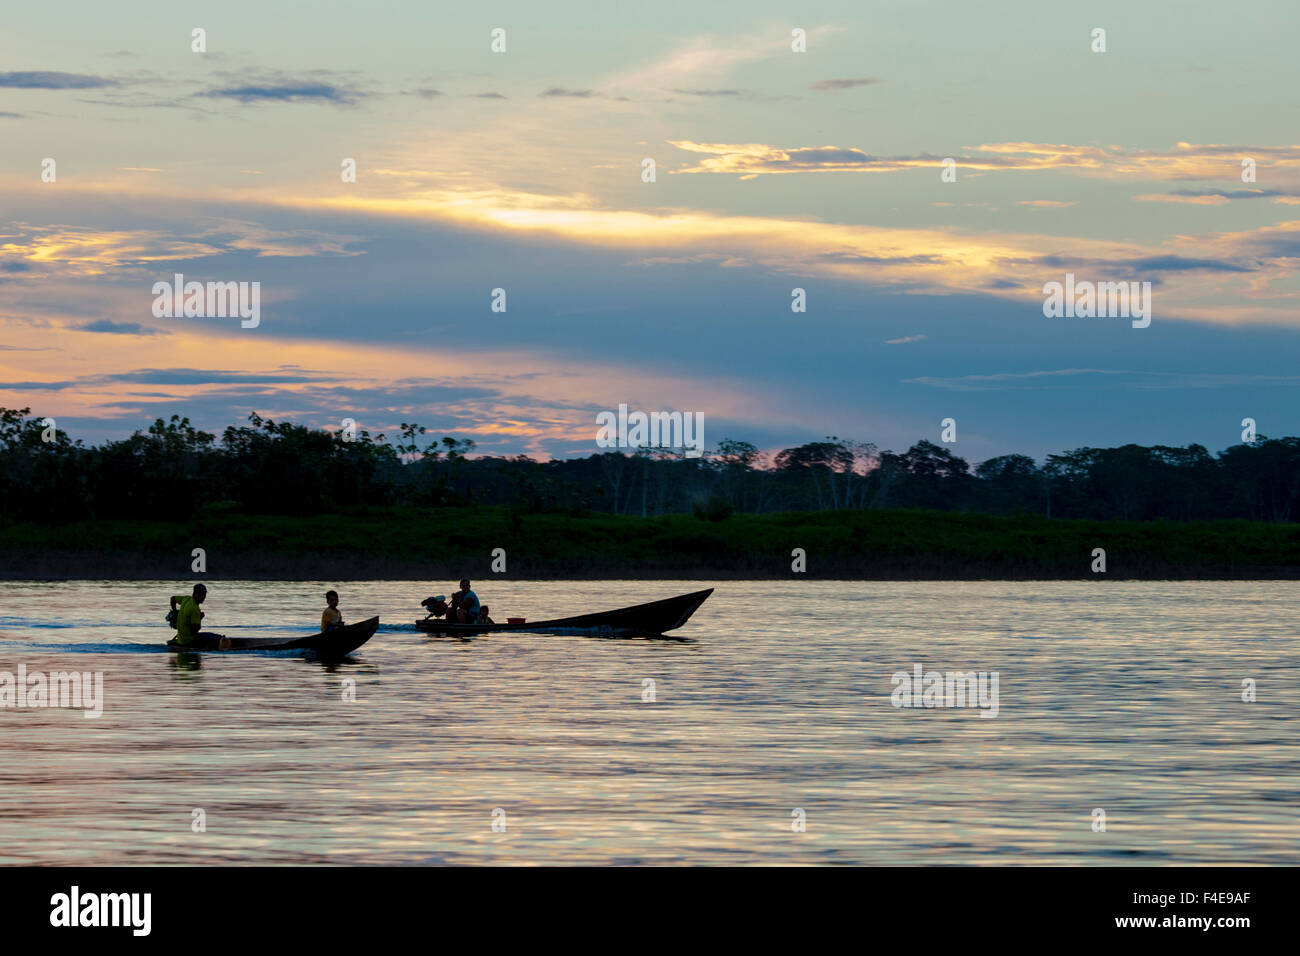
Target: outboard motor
437 606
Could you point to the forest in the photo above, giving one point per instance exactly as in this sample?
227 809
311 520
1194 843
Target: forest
172 471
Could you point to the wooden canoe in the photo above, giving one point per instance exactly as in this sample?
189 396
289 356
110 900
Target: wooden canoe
332 643
640 620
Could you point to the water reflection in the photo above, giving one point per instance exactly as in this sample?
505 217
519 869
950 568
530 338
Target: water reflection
186 661
1121 696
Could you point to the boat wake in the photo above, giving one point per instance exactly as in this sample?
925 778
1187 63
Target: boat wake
26 622
602 633
97 647
129 647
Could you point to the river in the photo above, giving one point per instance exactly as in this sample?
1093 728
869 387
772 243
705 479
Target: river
770 736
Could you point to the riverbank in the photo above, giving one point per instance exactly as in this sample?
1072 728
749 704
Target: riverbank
425 544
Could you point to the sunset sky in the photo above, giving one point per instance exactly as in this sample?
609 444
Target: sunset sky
522 170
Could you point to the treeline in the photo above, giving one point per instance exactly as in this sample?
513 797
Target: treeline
174 471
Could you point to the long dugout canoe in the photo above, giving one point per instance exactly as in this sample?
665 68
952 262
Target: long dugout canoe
640 620
328 644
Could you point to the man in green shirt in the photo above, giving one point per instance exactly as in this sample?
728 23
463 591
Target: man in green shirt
188 617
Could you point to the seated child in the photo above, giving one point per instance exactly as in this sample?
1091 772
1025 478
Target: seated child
331 617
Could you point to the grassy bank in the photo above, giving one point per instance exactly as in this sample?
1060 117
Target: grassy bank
423 544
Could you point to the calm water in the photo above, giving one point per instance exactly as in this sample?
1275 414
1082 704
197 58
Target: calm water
1119 696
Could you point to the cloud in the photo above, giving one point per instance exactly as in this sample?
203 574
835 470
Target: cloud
909 338
858 258
518 399
80 251
137 101
1185 161
1045 203
52 80
557 91
301 92
1184 264
707 56
1240 277
83 251
118 328
1208 197
173 376
709 92
1143 266
192 376
1228 277
843 84
254 237
488 96
1280 241
1097 378
753 159
7 115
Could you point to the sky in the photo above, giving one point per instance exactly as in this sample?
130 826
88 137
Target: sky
775 169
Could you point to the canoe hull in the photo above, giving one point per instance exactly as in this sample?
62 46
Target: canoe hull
641 620
329 644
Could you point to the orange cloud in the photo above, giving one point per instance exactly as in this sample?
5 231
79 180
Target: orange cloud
64 372
1184 161
1208 200
92 252
918 260
1226 279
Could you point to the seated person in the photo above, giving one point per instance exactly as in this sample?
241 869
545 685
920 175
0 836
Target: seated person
331 617
483 616
465 603
189 619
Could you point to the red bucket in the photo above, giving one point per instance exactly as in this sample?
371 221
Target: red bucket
516 620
